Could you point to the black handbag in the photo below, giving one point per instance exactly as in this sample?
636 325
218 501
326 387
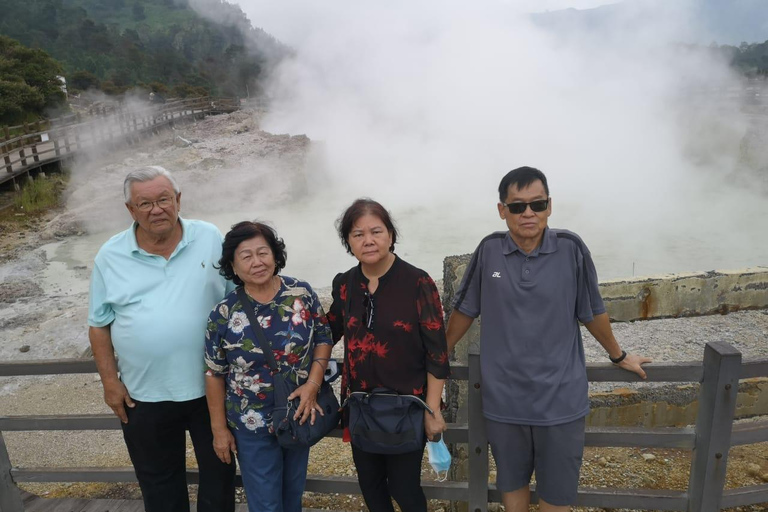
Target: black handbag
291 434
386 422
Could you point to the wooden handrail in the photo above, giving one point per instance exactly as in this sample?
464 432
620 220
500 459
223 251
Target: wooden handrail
722 368
23 152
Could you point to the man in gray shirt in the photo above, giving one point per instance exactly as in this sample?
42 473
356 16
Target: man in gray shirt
533 285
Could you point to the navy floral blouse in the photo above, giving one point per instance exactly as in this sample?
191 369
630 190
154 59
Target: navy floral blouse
294 323
393 337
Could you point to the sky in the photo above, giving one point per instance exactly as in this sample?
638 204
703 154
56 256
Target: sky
270 15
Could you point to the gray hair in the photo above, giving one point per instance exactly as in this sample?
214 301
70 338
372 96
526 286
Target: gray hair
147 174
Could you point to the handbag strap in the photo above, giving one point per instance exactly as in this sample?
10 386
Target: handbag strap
347 306
266 348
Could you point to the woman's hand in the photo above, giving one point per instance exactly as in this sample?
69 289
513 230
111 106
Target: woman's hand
434 424
308 408
224 445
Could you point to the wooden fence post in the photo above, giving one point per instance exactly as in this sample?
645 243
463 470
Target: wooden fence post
23 157
478 441
717 405
10 497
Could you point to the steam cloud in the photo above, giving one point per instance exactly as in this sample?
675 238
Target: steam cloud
425 105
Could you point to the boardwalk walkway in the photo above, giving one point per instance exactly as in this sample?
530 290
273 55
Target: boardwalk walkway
65 138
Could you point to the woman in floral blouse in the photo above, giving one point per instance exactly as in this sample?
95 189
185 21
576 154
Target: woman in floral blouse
394 338
239 384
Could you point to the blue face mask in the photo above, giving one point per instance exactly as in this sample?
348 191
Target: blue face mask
439 458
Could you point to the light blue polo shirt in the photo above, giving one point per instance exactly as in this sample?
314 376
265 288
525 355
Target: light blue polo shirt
158 309
531 352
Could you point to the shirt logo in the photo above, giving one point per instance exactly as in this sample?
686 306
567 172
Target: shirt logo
497 275
202 263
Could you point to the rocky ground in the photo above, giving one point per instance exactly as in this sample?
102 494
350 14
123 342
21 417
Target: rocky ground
43 311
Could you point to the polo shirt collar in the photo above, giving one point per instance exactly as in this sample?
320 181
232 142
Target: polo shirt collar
187 236
548 244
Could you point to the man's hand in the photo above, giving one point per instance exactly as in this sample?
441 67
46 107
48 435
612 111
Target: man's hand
115 394
117 397
434 424
633 363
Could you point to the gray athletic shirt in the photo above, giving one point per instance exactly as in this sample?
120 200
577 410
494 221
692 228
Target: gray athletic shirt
531 352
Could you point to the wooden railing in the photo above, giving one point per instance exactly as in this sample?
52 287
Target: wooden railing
63 137
710 439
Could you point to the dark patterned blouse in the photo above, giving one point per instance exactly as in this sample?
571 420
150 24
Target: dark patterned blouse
393 336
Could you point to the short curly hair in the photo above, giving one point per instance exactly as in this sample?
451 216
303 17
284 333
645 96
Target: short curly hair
241 232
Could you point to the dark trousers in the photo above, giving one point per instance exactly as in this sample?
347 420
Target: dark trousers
383 477
156 444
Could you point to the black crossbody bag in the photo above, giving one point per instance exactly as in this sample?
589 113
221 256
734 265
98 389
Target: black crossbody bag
384 421
291 434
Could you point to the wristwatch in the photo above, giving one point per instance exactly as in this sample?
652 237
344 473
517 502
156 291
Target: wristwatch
620 358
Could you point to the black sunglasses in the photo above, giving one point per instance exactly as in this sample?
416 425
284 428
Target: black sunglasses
368 312
536 206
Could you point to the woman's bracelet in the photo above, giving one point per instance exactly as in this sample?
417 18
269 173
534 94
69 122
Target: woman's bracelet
313 382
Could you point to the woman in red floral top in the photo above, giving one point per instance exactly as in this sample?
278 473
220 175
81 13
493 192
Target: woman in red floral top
394 338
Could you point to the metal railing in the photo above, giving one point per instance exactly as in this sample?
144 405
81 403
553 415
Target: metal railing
710 439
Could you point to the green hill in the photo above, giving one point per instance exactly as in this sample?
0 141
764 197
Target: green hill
118 44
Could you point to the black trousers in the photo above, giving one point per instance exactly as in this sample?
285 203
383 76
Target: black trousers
156 444
383 477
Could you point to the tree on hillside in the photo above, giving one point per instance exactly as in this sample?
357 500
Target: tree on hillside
29 84
83 80
138 12
124 43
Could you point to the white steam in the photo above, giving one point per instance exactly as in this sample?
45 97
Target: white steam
425 105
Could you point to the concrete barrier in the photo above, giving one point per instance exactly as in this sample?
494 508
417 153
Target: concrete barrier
667 296
691 294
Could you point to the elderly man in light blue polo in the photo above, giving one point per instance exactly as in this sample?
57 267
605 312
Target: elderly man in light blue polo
532 285
152 288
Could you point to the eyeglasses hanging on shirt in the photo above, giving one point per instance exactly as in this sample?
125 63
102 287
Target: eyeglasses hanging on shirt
368 310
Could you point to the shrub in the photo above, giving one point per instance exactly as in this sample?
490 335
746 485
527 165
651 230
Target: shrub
38 194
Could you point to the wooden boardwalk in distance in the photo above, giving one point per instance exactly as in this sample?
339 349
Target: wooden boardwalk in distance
64 138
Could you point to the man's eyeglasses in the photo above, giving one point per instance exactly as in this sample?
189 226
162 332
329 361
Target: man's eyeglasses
368 310
536 206
163 202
